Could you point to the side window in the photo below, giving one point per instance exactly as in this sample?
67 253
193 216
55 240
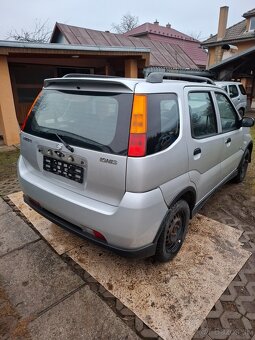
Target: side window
228 115
242 89
202 115
233 91
163 121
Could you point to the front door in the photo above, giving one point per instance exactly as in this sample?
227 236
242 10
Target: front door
231 151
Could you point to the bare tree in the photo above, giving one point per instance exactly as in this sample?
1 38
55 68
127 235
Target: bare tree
127 23
197 35
40 33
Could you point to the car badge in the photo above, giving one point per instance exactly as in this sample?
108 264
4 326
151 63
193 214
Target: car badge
59 146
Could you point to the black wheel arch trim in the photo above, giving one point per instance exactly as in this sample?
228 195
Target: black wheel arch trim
181 195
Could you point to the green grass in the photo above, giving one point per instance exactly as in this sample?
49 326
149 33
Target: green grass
8 158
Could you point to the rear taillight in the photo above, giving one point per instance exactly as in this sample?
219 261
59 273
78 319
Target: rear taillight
138 127
31 108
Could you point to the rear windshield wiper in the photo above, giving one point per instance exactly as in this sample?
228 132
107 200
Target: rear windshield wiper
74 137
68 147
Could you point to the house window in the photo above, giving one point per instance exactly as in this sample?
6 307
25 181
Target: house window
252 23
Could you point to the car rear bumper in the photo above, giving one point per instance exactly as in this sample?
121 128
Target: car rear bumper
142 252
131 227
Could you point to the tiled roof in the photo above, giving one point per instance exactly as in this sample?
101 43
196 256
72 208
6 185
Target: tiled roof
235 32
249 13
160 30
164 34
161 54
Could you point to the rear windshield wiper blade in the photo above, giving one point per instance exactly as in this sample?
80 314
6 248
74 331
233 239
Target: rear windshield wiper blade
68 147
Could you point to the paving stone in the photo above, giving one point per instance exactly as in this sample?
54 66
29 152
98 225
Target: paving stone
4 207
38 278
148 334
108 295
126 312
138 324
14 233
82 316
119 305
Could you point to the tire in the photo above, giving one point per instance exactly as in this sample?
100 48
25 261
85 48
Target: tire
242 169
173 233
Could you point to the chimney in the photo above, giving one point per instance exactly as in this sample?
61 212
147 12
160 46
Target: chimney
168 25
222 26
156 22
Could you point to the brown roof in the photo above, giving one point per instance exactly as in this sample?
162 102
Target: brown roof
161 54
166 34
249 13
233 33
160 30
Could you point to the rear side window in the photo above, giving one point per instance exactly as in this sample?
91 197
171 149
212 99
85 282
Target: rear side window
163 121
233 91
202 115
242 89
94 120
228 115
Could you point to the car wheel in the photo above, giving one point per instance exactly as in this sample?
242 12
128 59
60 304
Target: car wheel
173 232
241 111
243 167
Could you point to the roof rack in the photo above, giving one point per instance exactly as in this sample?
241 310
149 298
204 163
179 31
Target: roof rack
157 77
84 75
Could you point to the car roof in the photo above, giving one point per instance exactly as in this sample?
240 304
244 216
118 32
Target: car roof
133 84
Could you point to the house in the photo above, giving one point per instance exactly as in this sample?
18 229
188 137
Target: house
172 53
231 52
232 40
166 34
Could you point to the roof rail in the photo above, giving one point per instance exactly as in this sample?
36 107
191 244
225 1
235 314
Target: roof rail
84 75
157 77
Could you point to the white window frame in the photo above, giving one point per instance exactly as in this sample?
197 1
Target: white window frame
252 21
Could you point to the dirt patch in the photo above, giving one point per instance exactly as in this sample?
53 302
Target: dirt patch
11 325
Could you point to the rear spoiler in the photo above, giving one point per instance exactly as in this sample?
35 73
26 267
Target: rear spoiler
79 82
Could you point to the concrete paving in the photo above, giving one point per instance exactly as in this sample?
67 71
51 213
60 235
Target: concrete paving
13 235
81 316
40 295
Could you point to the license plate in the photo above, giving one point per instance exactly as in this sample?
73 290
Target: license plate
64 169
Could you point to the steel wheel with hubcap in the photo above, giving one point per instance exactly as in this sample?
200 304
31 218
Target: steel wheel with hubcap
173 232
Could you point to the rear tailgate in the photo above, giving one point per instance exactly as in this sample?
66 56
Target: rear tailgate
92 119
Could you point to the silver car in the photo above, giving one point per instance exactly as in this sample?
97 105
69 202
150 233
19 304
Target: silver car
237 93
127 162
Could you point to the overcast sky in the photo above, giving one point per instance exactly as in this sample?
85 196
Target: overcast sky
187 16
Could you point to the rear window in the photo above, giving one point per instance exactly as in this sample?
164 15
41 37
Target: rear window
163 121
94 120
242 89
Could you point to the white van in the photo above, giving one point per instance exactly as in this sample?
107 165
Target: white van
236 92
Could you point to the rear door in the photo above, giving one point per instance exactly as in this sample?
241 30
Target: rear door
92 123
204 141
231 132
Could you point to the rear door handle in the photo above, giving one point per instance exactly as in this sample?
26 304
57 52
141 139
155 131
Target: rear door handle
197 151
228 140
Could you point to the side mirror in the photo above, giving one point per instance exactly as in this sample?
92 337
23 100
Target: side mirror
247 122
